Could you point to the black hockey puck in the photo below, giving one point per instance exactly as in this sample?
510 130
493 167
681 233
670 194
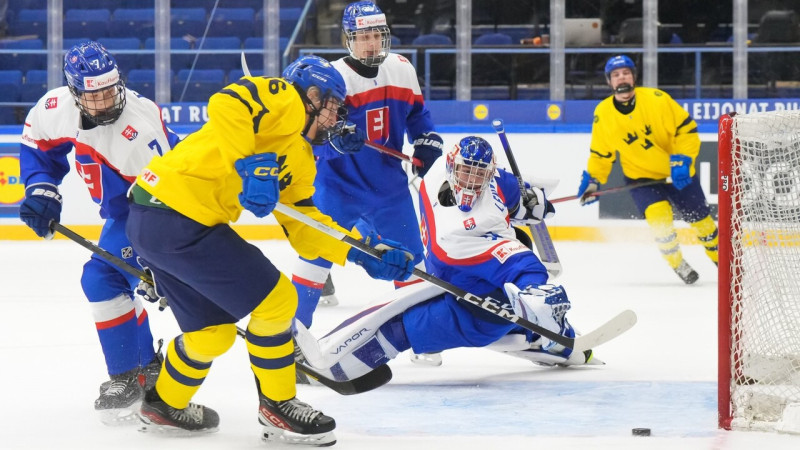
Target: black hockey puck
641 431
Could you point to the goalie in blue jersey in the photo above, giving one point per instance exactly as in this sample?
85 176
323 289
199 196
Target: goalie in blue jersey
356 185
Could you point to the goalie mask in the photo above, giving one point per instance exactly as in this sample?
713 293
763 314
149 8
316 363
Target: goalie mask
94 81
470 167
322 88
366 34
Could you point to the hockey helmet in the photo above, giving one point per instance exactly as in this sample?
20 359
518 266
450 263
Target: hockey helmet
618 62
316 79
366 34
95 83
470 167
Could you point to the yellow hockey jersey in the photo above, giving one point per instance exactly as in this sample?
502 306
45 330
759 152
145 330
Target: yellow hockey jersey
250 116
645 138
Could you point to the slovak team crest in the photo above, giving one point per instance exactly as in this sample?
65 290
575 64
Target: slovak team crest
469 224
130 133
51 103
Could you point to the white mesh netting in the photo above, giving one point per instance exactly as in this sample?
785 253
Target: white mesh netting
765 268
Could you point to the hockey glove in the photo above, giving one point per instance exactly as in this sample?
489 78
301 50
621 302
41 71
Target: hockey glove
679 166
396 263
589 186
350 140
41 206
535 209
546 305
148 291
427 148
260 188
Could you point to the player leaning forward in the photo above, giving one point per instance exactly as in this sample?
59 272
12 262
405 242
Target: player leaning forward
467 209
656 139
254 151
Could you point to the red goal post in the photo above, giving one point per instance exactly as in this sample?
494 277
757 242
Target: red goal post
759 271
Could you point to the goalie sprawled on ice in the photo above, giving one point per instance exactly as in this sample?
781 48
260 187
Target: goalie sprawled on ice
466 209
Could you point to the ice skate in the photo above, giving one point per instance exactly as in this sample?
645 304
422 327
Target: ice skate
149 373
157 416
687 274
119 401
426 359
328 296
294 422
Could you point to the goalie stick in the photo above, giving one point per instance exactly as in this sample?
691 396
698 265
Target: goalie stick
626 187
609 330
539 232
374 379
375 146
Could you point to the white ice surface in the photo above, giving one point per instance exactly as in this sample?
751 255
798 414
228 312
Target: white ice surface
660 375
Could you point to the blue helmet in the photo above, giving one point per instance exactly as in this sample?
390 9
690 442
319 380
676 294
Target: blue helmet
618 62
94 81
316 79
366 33
470 168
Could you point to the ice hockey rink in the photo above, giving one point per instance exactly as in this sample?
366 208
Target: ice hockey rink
660 375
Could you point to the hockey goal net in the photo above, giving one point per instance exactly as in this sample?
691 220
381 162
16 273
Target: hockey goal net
759 271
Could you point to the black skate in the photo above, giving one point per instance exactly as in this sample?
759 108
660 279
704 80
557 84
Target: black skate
687 274
147 374
119 401
328 296
157 416
294 422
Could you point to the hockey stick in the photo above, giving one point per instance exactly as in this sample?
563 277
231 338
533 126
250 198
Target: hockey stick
374 379
540 233
626 187
611 329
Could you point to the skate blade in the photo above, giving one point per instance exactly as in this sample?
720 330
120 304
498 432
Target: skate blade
274 435
148 426
328 301
427 359
119 417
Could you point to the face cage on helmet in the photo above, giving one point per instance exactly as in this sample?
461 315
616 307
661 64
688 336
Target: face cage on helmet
101 116
331 105
469 179
370 60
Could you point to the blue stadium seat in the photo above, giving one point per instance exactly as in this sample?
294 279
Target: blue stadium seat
289 18
432 39
232 22
86 22
31 4
201 85
10 85
79 4
187 21
176 61
224 61
255 61
494 39
139 23
20 61
235 74
29 22
143 81
127 61
35 86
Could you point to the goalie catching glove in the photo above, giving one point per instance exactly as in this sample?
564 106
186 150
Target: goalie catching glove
533 207
545 305
260 188
149 291
396 263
